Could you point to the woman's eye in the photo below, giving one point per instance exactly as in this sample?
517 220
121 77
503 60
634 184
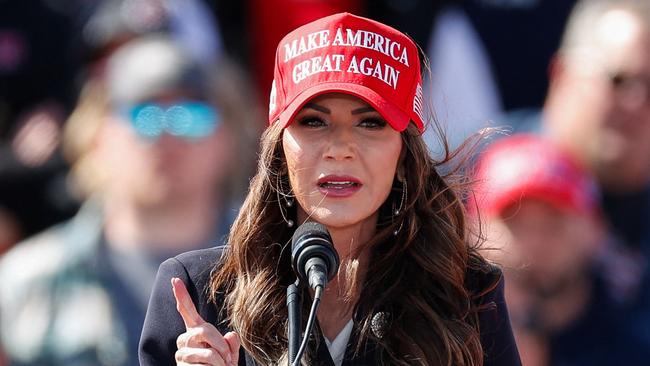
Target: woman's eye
311 121
375 123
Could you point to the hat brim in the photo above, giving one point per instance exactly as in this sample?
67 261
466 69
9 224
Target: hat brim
391 113
561 201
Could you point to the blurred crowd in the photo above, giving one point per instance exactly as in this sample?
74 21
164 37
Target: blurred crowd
129 128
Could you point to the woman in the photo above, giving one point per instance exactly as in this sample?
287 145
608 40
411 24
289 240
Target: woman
343 149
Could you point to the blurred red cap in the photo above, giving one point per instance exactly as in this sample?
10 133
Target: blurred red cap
528 166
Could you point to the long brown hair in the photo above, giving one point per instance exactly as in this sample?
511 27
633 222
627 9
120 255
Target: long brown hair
414 305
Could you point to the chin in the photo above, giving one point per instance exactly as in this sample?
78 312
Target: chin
333 218
160 194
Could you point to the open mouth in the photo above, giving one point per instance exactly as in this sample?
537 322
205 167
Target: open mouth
338 184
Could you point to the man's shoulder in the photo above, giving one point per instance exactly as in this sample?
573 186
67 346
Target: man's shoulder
48 277
43 255
55 250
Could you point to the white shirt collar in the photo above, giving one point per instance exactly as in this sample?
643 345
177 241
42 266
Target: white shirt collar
340 343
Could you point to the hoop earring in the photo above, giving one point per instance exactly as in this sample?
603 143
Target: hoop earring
402 205
288 201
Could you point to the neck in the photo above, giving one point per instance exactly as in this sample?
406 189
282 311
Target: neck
340 295
166 227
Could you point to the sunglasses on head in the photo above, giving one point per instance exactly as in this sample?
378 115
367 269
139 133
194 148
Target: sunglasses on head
190 120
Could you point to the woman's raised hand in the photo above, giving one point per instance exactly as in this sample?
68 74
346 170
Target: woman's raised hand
201 344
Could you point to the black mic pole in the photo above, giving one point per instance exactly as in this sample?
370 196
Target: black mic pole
315 261
294 305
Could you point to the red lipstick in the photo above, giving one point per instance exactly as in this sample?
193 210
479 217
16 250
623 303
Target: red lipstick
338 186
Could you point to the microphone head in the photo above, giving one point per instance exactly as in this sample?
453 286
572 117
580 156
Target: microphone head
310 229
312 240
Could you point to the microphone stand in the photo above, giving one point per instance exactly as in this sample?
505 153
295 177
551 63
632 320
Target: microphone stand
294 300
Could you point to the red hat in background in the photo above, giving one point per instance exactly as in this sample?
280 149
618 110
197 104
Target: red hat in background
348 54
527 166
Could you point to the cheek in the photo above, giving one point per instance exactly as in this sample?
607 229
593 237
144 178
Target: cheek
590 108
215 155
584 235
384 165
640 135
121 151
297 163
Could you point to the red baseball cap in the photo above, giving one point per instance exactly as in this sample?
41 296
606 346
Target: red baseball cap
349 54
528 166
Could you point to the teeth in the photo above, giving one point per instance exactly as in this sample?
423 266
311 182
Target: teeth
338 184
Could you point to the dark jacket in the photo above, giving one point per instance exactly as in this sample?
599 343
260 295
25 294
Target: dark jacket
163 323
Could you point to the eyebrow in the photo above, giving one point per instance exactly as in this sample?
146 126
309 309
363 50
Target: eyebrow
317 107
328 111
363 110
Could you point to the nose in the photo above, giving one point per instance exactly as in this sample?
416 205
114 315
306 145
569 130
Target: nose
340 145
169 145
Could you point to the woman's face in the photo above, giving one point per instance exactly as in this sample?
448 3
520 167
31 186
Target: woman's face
342 157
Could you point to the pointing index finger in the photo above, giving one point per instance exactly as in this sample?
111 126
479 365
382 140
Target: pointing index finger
185 305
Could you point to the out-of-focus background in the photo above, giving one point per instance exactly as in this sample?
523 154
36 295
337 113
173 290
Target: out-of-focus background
129 128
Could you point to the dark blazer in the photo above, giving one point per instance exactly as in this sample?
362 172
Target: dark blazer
163 323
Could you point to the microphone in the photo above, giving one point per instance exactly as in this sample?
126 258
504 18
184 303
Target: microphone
313 256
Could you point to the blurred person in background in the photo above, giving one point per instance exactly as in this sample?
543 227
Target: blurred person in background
162 149
540 213
44 46
598 109
598 104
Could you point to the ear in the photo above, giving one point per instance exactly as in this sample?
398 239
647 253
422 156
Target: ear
100 140
399 174
556 70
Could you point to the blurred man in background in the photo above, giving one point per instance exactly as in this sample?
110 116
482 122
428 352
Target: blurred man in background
540 212
162 147
598 109
44 48
598 104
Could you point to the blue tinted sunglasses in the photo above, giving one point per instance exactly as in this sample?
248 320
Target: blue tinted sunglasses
188 120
